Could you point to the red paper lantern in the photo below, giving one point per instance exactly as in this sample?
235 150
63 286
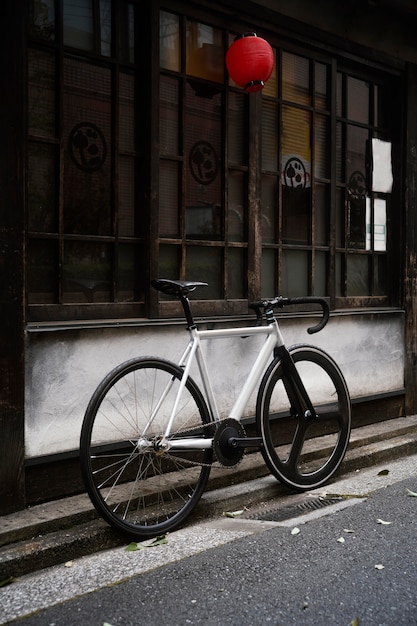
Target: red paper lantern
250 62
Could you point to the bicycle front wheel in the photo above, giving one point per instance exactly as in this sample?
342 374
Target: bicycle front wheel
303 452
138 487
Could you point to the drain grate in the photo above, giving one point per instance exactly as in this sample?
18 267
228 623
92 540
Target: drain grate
293 510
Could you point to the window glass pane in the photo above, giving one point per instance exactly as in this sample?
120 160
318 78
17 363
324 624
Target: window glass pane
357 100
357 139
296 215
380 286
204 52
321 147
42 203
236 282
78 24
320 96
236 129
126 113
203 149
269 269
206 264
42 264
169 41
320 274
127 34
295 78
357 222
169 266
269 136
382 106
87 272
357 275
269 208
339 95
340 154
294 275
42 23
340 279
126 213
236 215
41 93
271 85
340 218
87 132
296 151
380 224
321 211
168 115
168 199
105 27
129 271
296 176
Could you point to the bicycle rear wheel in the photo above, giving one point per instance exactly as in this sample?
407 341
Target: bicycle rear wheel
301 451
135 486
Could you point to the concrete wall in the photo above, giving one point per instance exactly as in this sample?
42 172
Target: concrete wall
64 367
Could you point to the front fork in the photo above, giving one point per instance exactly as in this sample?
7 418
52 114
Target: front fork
297 394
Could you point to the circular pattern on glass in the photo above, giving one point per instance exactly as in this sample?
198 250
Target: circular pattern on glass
203 162
87 147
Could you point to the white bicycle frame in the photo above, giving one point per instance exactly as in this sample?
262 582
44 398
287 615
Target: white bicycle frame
194 349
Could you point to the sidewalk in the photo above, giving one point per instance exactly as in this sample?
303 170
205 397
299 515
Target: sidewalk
60 531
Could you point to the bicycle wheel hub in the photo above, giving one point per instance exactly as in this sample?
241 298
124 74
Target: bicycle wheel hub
228 454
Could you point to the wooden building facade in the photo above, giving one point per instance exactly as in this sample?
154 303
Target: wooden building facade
127 153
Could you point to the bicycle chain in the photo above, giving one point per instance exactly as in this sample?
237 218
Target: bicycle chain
214 464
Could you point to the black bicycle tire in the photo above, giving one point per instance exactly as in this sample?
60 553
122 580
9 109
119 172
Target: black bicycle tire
282 470
137 530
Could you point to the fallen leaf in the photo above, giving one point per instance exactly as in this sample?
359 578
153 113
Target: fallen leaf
232 513
158 541
341 540
383 522
354 622
379 566
411 493
295 531
384 472
7 581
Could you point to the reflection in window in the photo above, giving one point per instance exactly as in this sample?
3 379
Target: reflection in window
204 52
43 19
169 41
204 216
81 24
78 24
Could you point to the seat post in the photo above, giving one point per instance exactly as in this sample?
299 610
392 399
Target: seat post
187 310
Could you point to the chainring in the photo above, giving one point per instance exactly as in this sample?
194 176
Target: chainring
226 454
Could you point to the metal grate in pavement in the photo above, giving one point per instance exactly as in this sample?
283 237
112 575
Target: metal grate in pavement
294 510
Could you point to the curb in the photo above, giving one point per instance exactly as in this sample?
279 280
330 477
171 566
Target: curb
55 532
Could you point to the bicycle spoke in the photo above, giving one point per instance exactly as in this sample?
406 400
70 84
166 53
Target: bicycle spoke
144 490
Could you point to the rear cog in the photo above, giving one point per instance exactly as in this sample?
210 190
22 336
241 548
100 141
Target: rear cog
226 453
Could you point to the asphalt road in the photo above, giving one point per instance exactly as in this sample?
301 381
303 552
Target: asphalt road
356 561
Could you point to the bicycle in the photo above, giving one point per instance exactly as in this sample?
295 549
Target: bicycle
150 433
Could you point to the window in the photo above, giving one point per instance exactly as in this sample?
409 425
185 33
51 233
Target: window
325 204
203 163
137 170
85 233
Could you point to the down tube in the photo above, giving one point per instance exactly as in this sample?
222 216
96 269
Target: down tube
254 376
